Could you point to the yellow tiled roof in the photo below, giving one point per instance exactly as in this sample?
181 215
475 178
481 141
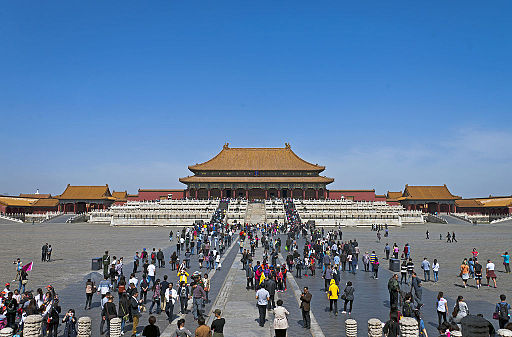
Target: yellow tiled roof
86 192
257 159
428 193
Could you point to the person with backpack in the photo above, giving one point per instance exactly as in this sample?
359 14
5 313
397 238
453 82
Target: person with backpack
407 310
502 312
348 297
155 298
391 328
183 293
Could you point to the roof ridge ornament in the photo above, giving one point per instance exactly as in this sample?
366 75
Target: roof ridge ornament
287 146
226 146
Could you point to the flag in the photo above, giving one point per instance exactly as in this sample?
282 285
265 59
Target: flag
27 267
262 278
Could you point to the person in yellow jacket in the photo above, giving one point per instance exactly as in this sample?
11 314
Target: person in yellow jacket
333 293
183 275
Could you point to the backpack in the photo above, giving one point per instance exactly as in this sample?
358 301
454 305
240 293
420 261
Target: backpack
407 310
503 313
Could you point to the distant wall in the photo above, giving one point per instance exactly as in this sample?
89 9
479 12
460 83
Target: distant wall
157 195
356 195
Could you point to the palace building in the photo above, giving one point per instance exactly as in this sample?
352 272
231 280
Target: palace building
256 173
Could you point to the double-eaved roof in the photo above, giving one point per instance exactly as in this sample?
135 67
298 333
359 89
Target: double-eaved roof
256 159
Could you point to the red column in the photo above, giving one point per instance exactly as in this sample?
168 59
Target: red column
247 194
208 193
438 208
279 193
74 208
221 190
303 194
316 194
266 194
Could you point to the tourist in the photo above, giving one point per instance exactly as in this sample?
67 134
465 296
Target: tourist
453 237
144 287
280 320
421 324
271 287
181 331
333 293
427 233
410 270
202 330
375 267
327 277
305 306
387 250
183 292
478 274
425 265
348 297
151 330
206 287
171 295
218 324
435 270
106 263
460 310
109 311
506 262
489 273
70 324
464 272
403 272
44 250
123 311
502 311
392 328
49 253
442 308
155 298
263 296
89 292
418 290
52 323
151 274
198 298
407 309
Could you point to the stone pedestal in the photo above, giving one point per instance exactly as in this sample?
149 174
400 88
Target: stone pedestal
351 328
409 327
374 327
504 333
115 327
6 332
84 327
32 326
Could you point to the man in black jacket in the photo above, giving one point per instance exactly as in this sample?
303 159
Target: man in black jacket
271 286
249 274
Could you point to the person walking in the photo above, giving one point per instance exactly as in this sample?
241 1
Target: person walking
403 272
489 273
506 262
218 324
502 311
348 297
464 272
181 331
198 298
333 294
263 296
280 320
89 291
202 330
305 306
392 328
418 290
155 298
135 312
460 310
442 308
184 295
171 295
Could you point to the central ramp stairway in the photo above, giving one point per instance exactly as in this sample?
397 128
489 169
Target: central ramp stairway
220 212
255 213
292 216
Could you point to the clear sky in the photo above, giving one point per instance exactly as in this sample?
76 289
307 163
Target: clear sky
129 93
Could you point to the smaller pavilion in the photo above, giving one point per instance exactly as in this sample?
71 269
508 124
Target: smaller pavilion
80 199
429 199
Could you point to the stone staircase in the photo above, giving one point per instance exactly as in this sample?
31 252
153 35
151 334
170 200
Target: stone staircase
255 213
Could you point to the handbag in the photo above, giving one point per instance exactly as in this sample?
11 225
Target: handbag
343 296
495 315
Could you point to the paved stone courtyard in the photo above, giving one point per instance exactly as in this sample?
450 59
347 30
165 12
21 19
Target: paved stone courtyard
75 244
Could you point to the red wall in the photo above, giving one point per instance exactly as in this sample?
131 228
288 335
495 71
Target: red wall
363 195
157 195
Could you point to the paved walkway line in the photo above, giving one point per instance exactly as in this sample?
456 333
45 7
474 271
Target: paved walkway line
315 330
171 327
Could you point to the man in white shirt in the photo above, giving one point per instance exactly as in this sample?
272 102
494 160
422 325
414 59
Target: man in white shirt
151 273
262 295
171 295
133 280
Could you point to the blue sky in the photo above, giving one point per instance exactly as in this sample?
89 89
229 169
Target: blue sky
382 93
